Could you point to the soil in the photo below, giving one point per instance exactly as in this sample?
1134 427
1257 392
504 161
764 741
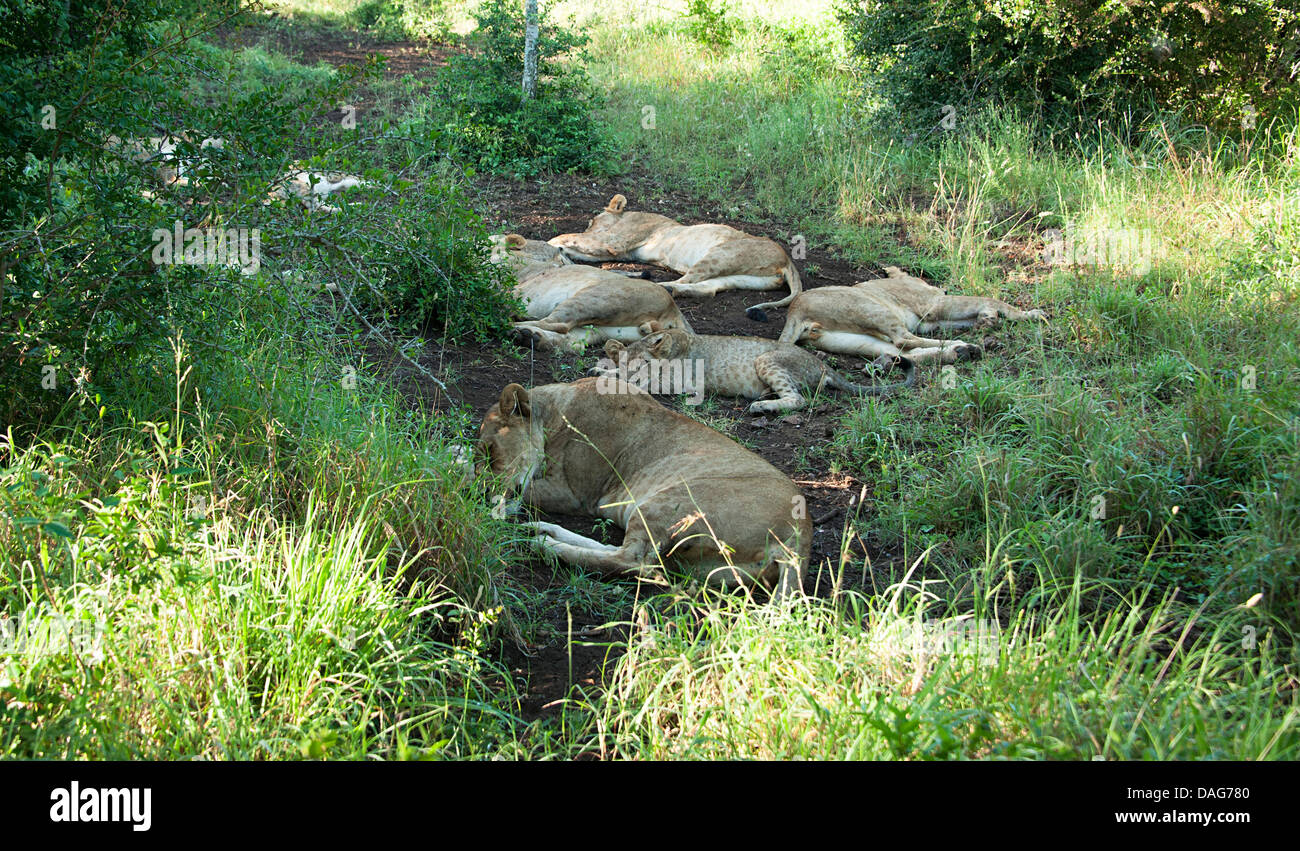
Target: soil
311 44
578 646
475 376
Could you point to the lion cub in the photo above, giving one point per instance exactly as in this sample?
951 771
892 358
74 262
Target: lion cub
747 367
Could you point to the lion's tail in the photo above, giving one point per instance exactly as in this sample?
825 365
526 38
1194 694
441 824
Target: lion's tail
792 280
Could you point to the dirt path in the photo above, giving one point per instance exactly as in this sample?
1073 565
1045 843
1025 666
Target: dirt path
578 645
475 375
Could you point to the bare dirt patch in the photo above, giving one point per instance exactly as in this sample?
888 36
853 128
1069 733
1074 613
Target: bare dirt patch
475 375
574 647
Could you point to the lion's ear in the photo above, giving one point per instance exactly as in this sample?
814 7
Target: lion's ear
612 348
616 204
514 401
514 240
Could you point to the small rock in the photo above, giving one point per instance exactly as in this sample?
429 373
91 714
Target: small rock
793 419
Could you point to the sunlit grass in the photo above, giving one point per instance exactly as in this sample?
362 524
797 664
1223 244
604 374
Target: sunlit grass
893 678
273 567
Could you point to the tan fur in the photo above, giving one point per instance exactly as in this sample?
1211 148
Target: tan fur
160 153
710 258
881 318
748 367
571 306
676 487
312 186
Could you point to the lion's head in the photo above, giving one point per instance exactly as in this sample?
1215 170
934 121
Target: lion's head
658 344
520 253
512 443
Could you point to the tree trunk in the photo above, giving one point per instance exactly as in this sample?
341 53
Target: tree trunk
530 49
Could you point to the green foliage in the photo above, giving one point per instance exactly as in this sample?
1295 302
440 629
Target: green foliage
895 676
173 591
422 262
1228 62
710 22
281 558
402 18
83 326
84 309
1132 463
484 117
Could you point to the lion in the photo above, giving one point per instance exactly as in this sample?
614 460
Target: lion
686 496
879 318
746 367
709 258
162 155
311 187
569 306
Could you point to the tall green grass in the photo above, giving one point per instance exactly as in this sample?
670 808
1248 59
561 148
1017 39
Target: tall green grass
898 677
314 575
262 560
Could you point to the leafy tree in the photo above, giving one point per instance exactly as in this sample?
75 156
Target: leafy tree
489 121
1226 62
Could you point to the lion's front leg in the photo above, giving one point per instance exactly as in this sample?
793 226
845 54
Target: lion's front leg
607 559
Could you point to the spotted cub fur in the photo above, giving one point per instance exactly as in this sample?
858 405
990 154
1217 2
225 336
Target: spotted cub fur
749 367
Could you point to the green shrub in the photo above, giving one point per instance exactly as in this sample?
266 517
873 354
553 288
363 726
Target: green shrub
83 307
485 119
424 263
1223 61
709 23
403 18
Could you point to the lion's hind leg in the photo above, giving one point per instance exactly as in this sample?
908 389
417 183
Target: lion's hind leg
973 311
771 373
870 347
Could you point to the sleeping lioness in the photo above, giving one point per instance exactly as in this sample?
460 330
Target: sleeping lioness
571 306
311 187
685 495
170 168
878 318
162 155
748 367
709 258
